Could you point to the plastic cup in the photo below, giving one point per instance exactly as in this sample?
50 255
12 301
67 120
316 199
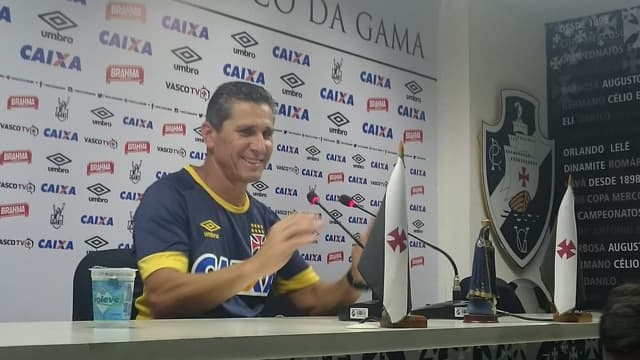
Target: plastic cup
112 292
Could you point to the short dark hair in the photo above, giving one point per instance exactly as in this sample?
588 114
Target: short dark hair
620 321
219 108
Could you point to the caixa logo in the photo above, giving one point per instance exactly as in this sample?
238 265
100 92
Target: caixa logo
336 96
5 14
417 208
285 191
334 238
241 73
332 197
411 113
375 80
357 220
197 155
130 196
209 262
289 149
58 189
160 174
336 157
312 173
377 130
293 112
51 57
357 180
55 244
125 42
97 220
60 134
417 172
311 257
379 165
185 27
293 56
137 122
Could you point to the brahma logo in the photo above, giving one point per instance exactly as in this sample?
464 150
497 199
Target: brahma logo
125 73
168 150
5 14
174 128
100 167
131 196
293 81
377 130
313 151
337 256
289 149
284 191
335 177
375 80
126 11
97 220
245 40
98 190
137 146
137 122
241 73
22 102
201 92
412 113
125 42
260 186
58 189
417 261
293 112
16 209
337 96
55 244
413 135
418 224
311 257
312 173
28 187
336 157
15 156
414 88
112 143
417 190
59 22
59 160
294 56
51 57
103 114
188 56
31 130
377 104
339 120
185 27
359 159
96 242
60 134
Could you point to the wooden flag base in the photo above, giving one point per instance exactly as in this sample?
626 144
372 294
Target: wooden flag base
409 321
477 318
573 317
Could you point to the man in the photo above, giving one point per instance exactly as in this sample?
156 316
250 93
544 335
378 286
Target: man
205 248
620 323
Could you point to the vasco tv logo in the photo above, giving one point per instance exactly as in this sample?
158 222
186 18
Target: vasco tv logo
293 81
260 186
28 187
51 57
59 160
31 130
99 191
245 40
338 120
59 22
187 55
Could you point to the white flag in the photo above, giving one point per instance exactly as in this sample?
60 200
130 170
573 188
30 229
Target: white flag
396 249
566 255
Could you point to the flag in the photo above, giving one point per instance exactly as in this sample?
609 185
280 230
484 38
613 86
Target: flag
566 254
385 261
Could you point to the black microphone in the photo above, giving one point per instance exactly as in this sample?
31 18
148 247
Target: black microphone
314 199
457 295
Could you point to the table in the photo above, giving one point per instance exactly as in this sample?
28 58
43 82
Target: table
262 337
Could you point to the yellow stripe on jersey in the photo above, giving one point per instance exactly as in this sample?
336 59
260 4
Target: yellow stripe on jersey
228 206
169 259
303 279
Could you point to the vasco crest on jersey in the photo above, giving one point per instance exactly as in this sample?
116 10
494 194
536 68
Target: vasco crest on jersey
518 176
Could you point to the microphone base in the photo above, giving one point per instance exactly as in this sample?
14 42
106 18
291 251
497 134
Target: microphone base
360 311
445 310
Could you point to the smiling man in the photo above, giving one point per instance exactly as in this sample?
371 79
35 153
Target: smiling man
206 248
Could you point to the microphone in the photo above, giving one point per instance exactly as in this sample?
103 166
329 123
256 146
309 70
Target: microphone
314 199
444 310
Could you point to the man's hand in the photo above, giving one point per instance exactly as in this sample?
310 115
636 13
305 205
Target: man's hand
285 237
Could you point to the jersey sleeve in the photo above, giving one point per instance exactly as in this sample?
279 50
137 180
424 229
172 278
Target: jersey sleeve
160 222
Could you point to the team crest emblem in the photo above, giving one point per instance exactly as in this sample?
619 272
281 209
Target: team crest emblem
518 176
257 237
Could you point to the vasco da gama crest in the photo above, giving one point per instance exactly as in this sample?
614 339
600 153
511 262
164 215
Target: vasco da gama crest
517 174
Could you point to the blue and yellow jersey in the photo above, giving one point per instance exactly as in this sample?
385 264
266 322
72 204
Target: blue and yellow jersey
184 225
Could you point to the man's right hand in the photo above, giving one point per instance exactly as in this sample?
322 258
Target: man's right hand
285 237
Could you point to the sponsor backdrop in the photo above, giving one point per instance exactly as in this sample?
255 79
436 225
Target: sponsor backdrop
593 65
102 98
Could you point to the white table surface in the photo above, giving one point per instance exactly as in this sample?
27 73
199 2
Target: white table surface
261 337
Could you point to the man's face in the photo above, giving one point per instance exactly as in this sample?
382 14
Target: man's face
243 146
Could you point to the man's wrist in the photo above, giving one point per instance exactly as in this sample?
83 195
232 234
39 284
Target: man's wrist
353 283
